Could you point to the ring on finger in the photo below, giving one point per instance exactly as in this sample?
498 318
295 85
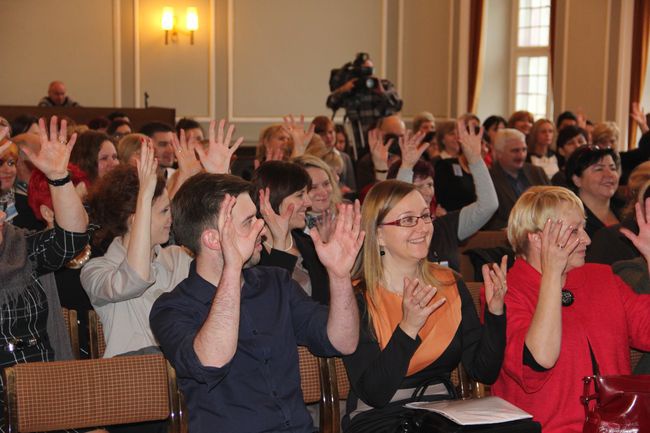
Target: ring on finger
62 140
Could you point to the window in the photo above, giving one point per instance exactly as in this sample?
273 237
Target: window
531 57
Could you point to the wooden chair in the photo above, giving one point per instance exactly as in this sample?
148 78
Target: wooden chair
482 239
72 326
46 396
96 339
316 387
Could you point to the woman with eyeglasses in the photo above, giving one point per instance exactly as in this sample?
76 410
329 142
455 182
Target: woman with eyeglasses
420 321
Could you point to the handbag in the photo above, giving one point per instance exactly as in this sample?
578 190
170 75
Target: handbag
619 403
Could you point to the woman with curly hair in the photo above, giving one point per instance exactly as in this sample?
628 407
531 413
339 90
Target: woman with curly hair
95 154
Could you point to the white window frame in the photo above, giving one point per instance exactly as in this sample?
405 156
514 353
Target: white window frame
516 52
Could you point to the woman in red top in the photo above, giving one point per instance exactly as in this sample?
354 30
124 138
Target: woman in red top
558 307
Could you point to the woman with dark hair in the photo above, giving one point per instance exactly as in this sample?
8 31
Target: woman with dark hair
24 123
324 127
132 207
95 154
418 318
491 126
569 139
119 128
593 175
281 193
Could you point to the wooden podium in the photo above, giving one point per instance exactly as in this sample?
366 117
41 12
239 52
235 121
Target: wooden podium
83 115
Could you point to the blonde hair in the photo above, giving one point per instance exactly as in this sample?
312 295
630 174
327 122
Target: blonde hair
128 145
532 137
636 184
319 149
378 202
533 208
605 130
307 161
266 134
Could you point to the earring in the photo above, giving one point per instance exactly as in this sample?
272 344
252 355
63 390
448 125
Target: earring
381 251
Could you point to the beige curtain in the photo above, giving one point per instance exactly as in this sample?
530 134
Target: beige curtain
475 69
640 40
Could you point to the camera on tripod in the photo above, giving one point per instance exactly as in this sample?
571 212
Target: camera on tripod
355 69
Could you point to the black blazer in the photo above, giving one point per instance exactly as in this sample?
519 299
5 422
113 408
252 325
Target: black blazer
506 195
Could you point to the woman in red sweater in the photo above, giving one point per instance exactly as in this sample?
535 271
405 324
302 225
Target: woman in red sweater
558 307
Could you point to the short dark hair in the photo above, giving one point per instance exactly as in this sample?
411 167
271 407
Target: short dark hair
282 178
493 120
116 115
116 124
195 206
568 133
98 123
583 158
566 115
186 123
22 123
149 129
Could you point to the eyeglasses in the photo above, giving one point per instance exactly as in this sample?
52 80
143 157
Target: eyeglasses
410 221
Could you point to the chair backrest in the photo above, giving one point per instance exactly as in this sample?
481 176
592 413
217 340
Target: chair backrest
96 339
482 239
315 388
72 326
46 396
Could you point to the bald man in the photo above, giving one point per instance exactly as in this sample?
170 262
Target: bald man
56 97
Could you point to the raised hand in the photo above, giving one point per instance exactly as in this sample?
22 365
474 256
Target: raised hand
378 150
412 148
235 247
416 306
54 154
220 151
638 115
277 224
470 141
495 285
340 251
299 135
642 240
147 166
325 225
558 241
188 164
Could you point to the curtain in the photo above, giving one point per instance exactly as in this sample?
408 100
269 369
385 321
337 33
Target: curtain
640 37
475 66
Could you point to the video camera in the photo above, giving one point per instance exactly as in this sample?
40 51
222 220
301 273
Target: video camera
355 69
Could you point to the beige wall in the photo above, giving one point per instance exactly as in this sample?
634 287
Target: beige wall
68 40
256 60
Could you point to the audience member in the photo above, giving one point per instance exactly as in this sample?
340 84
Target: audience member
128 148
511 174
99 124
119 128
566 118
95 154
118 115
235 349
568 140
632 158
447 139
418 317
324 127
193 130
550 343
33 329
373 166
608 244
605 135
23 124
324 192
593 174
275 144
162 136
56 97
132 208
540 143
342 140
521 121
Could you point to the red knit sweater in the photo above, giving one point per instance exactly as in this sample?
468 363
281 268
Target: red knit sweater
606 312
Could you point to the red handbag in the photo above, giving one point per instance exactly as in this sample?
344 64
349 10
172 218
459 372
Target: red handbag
619 404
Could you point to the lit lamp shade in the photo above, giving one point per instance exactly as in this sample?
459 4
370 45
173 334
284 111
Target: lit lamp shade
192 19
167 22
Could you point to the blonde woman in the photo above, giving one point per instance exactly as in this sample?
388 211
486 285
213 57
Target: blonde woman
418 319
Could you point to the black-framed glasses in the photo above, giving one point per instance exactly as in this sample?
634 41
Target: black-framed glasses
410 221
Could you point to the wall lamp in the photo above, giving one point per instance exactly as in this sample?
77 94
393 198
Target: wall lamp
168 23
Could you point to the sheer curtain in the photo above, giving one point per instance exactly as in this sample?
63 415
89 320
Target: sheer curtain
640 38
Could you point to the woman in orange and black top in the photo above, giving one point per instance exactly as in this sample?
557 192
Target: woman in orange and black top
418 319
